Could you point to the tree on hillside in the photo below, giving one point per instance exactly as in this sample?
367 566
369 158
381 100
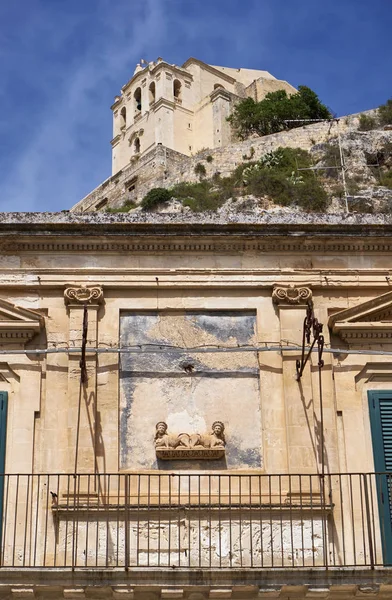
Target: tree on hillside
270 114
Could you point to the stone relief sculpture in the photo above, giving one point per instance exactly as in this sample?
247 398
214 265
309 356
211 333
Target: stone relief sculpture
195 445
162 438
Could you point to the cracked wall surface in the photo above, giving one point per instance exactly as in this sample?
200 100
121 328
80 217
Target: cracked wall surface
189 390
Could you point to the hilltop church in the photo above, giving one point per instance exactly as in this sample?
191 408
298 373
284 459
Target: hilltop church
165 117
182 108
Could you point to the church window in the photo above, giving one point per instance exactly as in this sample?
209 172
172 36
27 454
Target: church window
177 89
138 99
136 146
123 117
151 92
101 204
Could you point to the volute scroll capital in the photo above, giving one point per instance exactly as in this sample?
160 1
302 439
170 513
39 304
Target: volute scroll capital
291 295
83 295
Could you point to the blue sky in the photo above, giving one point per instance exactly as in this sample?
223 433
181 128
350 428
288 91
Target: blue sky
63 61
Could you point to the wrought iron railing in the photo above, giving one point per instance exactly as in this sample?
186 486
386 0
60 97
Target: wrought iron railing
195 520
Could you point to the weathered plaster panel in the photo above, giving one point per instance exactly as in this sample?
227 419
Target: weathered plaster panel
189 391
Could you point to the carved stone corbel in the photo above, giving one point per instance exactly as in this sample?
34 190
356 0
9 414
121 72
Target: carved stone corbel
83 295
291 294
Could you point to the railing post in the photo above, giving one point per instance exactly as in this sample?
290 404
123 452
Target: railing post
126 521
368 520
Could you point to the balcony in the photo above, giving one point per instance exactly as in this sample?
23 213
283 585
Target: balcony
193 521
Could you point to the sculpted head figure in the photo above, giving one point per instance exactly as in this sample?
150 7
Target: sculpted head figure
161 429
218 429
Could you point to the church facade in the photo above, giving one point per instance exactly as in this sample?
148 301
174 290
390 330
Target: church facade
181 108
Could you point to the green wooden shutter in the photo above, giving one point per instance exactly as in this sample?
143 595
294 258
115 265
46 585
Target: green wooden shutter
3 435
3 428
380 406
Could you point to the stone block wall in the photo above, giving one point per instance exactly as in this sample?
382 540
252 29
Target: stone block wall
163 167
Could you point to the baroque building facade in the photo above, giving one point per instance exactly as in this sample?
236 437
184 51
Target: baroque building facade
167 115
162 434
181 108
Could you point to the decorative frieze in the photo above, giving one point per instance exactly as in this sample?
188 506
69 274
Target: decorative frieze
83 295
291 295
189 245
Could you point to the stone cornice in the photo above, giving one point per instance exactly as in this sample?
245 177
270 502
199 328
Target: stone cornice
151 232
222 93
364 333
374 231
210 68
165 584
163 65
252 279
18 325
368 322
376 309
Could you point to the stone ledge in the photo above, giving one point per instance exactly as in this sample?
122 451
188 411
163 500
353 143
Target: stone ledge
268 218
205 584
190 453
282 592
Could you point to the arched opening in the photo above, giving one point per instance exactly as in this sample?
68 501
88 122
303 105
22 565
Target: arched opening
136 146
218 85
138 99
151 92
123 117
177 89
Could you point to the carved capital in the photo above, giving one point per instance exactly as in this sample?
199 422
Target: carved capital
83 295
291 294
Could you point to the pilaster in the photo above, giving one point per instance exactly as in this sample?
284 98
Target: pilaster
82 396
291 302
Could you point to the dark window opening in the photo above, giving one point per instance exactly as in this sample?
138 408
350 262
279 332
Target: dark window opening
123 117
177 89
151 92
138 99
101 203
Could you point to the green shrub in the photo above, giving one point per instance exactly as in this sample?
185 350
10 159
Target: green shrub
200 170
126 207
276 175
272 114
386 179
311 196
204 195
209 158
367 123
155 197
385 113
353 186
250 155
